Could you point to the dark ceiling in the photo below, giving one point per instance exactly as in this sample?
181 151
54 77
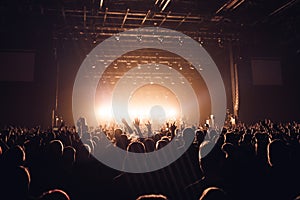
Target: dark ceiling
197 18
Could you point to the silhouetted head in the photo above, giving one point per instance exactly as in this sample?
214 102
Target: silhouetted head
136 147
149 145
200 136
152 197
83 152
230 138
69 155
213 193
16 185
122 141
156 137
246 138
118 132
160 144
229 149
166 138
261 137
55 194
55 150
14 156
208 158
278 153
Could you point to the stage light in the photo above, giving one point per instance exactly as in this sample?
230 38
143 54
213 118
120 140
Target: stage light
101 4
104 113
121 95
172 113
166 4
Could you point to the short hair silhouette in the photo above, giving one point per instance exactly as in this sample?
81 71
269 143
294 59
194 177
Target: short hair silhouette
278 153
16 186
213 193
152 197
55 194
149 144
69 155
160 144
136 147
14 156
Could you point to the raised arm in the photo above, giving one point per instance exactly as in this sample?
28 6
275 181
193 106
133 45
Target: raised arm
127 126
136 124
149 128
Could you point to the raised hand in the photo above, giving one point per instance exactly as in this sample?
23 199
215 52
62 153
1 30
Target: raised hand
136 124
127 126
148 125
173 128
124 121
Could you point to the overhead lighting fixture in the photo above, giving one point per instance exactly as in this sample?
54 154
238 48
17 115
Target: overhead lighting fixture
161 3
101 4
166 4
156 2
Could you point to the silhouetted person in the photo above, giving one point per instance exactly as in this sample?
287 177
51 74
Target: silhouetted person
160 144
122 141
211 159
14 156
200 136
136 147
282 177
15 182
69 156
149 145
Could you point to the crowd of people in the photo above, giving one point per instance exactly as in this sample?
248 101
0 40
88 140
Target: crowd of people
258 161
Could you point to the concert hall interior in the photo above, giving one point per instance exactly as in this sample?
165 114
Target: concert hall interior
208 89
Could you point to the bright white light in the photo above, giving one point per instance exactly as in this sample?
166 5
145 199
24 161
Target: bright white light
149 103
171 113
104 113
101 4
138 112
